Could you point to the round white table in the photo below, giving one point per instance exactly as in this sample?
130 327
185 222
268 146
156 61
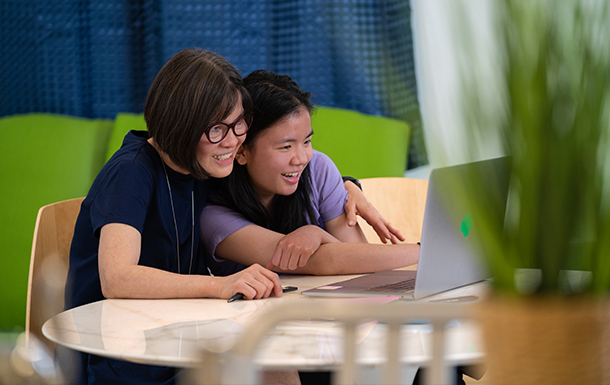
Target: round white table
172 332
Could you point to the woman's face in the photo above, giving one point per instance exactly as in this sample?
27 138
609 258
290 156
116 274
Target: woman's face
278 156
217 158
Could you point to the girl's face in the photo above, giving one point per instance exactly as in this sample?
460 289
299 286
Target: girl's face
217 158
278 156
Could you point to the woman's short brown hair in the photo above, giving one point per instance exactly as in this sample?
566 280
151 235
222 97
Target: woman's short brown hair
193 89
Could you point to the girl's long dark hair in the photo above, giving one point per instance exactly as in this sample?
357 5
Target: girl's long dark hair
274 97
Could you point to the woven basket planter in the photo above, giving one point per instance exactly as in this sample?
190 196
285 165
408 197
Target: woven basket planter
546 340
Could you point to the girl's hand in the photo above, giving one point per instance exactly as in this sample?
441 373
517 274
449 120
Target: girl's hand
295 249
254 282
357 204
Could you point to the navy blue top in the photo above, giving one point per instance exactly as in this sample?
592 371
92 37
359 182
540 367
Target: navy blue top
131 189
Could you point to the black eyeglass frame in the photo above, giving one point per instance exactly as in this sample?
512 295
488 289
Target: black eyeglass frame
246 117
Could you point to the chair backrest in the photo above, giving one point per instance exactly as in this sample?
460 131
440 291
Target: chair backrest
49 264
60 161
123 123
361 145
219 368
402 201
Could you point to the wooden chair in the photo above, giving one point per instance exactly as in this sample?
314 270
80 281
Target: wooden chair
402 201
220 367
49 265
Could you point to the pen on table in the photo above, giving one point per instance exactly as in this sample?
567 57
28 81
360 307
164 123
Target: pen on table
467 298
285 289
236 297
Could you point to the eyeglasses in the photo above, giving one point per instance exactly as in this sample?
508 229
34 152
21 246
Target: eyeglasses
216 132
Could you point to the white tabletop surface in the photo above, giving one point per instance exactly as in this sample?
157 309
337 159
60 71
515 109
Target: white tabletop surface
171 332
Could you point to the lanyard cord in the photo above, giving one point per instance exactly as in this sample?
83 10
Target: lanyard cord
171 200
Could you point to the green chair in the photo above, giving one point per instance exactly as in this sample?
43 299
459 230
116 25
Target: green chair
361 145
44 158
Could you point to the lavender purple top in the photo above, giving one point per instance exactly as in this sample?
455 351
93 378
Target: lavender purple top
328 197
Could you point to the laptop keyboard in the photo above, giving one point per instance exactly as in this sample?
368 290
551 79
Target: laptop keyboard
400 286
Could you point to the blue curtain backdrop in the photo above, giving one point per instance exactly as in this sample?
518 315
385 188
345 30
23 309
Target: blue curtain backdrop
95 58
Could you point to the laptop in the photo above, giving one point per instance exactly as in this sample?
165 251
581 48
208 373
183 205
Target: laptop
449 255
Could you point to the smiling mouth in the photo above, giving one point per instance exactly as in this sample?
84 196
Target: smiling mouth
222 157
291 175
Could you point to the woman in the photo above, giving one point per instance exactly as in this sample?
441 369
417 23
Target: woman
286 198
136 235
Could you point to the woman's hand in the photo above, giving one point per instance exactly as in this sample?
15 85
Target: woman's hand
357 204
254 282
295 249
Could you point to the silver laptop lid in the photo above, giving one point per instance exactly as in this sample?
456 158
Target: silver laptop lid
449 255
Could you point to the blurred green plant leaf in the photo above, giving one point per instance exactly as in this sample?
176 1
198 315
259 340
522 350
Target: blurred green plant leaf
555 125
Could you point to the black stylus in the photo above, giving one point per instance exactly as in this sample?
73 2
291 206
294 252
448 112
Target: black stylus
285 289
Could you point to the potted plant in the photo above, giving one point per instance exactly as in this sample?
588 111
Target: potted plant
547 318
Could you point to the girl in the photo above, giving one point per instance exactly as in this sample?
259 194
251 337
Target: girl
282 206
